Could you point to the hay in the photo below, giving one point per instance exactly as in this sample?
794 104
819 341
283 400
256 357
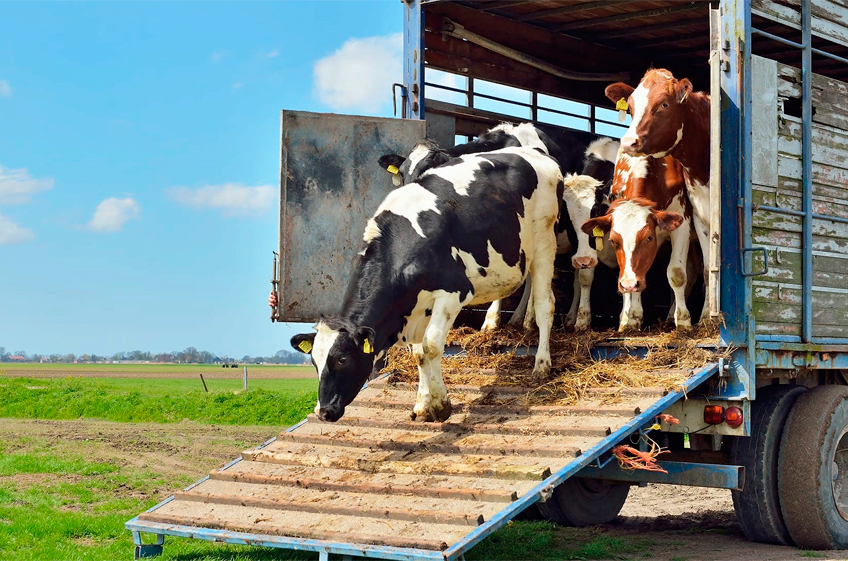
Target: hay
493 359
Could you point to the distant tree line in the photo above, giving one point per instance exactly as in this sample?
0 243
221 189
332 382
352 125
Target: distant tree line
190 356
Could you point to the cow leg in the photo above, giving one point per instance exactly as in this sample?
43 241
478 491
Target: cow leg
585 278
493 317
521 310
571 317
699 196
543 302
530 310
631 312
433 403
676 274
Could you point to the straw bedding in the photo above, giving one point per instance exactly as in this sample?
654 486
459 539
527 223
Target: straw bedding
490 359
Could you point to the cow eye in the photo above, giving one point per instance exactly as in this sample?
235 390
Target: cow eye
649 239
665 105
342 359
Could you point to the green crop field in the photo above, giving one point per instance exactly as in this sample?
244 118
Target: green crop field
187 369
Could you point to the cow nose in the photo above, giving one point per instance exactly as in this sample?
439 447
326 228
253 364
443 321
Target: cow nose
629 143
630 285
584 262
330 414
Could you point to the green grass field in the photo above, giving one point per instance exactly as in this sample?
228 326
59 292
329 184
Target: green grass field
269 402
188 369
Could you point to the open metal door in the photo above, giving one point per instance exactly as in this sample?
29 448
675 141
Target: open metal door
330 184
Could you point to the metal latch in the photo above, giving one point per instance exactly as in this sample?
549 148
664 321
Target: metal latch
765 261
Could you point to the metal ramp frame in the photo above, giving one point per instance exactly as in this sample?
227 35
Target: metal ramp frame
173 516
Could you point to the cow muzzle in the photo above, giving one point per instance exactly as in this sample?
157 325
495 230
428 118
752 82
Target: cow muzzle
330 414
632 145
584 262
626 286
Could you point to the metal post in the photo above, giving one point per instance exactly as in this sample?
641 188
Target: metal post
245 377
413 58
807 167
714 266
735 302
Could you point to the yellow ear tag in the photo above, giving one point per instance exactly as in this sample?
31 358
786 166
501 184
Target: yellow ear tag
305 346
599 238
622 107
655 426
367 348
392 170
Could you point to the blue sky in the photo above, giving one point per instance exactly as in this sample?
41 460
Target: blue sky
139 162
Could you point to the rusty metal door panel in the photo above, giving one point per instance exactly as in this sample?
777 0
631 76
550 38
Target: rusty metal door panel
330 184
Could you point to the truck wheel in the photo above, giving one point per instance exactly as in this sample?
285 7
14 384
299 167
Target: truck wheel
757 505
812 473
583 502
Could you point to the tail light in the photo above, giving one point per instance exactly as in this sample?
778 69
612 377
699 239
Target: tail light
733 417
714 414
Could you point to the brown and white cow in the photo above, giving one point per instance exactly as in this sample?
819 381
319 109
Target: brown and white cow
669 119
652 207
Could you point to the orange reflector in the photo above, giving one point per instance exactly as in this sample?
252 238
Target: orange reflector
713 414
733 417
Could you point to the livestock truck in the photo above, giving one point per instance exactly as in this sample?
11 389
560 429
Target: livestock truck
768 419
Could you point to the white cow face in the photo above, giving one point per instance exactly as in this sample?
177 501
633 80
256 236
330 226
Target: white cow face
579 197
343 356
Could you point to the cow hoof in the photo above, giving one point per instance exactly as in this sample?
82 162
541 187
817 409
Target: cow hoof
436 413
490 325
542 368
630 326
583 322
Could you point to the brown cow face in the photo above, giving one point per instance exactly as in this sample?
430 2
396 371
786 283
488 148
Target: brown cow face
657 106
632 225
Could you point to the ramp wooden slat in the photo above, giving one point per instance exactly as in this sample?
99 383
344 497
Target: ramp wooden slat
377 478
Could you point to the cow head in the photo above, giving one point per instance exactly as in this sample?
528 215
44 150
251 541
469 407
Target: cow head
632 226
344 356
657 106
425 155
579 195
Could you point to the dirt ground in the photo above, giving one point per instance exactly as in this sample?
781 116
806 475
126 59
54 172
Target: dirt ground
680 523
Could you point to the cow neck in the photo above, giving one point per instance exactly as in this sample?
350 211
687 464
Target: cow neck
693 152
372 298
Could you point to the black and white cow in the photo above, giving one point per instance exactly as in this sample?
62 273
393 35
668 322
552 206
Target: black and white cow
467 232
576 152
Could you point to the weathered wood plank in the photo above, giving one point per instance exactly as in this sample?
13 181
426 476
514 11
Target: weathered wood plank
782 304
824 23
786 266
486 495
327 507
782 238
787 223
764 122
793 201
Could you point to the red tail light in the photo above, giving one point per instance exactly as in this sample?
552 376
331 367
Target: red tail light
733 417
713 414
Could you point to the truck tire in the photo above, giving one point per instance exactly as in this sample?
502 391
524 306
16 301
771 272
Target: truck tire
812 474
757 505
583 502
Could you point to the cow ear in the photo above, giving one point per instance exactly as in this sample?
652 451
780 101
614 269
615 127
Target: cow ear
391 163
364 338
602 222
440 157
667 220
303 342
683 89
618 91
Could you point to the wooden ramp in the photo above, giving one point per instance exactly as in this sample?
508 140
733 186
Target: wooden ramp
376 484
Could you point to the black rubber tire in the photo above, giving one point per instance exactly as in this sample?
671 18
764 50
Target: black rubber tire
810 438
584 502
757 506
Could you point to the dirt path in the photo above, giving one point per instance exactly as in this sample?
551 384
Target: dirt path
671 523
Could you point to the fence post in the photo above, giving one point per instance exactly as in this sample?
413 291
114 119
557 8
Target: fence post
245 377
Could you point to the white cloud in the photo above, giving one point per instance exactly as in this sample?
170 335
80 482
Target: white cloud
219 55
238 85
231 198
360 74
11 233
5 89
16 186
113 213
271 54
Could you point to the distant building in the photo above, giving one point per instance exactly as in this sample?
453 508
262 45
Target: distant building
17 358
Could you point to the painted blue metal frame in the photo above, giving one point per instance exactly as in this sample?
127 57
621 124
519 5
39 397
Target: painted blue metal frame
807 167
679 473
413 59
